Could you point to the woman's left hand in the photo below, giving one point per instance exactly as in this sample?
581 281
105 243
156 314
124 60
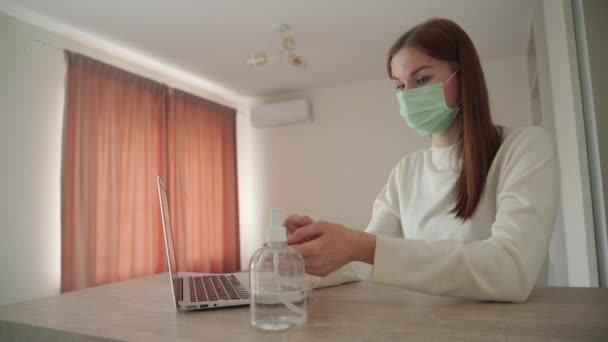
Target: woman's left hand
328 246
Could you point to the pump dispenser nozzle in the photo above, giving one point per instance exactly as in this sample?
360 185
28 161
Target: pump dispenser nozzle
276 232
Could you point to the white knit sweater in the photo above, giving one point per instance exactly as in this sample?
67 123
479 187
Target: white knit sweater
497 254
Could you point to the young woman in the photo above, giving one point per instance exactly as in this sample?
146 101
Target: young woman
471 216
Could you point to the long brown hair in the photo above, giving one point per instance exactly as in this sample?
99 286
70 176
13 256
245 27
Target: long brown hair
444 40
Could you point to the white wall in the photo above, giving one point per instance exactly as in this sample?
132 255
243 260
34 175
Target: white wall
333 168
31 108
570 133
507 81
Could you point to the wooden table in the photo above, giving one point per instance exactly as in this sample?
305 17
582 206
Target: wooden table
142 309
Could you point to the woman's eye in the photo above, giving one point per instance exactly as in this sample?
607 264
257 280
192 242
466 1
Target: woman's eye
423 80
400 87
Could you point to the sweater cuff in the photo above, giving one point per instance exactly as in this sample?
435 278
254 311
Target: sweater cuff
312 281
385 260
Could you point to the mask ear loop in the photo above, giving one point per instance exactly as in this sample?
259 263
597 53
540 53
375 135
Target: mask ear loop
449 78
446 81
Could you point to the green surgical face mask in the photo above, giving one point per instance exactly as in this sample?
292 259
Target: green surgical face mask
424 109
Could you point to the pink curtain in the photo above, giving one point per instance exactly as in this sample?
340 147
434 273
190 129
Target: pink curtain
202 150
119 135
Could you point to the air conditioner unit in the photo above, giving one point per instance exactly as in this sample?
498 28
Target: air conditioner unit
281 113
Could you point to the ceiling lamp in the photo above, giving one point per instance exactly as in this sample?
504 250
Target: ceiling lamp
286 51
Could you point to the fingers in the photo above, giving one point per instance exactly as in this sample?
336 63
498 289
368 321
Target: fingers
304 234
308 248
315 263
316 268
312 243
293 222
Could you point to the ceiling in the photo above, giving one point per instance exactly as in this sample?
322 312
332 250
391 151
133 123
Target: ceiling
342 40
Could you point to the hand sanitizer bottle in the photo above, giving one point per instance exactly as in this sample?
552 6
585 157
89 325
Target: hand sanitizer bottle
277 281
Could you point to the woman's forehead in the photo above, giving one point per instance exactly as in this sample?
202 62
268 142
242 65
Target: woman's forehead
407 60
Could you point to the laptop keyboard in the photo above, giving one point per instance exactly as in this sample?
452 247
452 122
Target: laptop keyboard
216 287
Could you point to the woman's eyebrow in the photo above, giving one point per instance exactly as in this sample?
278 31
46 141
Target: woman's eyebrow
419 69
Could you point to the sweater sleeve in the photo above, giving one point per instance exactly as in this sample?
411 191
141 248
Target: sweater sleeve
505 266
385 221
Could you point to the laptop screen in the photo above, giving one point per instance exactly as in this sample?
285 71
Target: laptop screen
167 230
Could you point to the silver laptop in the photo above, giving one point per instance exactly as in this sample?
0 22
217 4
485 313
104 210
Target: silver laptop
195 291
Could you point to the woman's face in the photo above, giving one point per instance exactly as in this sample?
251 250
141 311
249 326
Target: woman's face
412 68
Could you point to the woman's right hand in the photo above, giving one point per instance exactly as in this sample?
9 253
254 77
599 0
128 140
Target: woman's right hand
295 222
